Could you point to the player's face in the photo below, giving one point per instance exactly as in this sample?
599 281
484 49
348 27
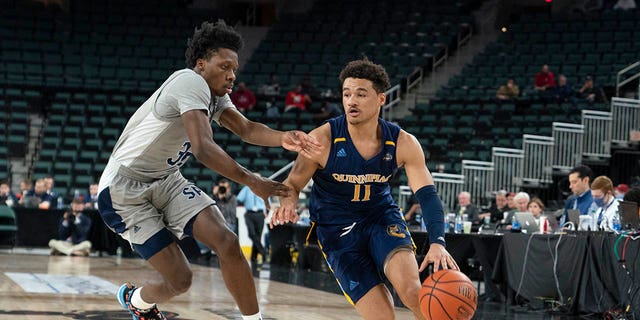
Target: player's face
219 71
360 101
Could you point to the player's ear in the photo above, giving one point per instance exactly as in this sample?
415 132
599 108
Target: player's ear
382 97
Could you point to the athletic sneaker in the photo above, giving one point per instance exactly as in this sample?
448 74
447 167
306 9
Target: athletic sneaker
124 297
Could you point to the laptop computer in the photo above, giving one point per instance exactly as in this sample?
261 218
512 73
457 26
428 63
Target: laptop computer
629 219
573 216
527 222
554 225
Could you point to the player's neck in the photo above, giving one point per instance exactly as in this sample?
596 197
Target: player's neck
364 131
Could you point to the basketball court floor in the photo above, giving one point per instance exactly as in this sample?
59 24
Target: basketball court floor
39 286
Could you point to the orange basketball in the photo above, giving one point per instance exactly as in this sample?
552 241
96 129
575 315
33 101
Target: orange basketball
448 294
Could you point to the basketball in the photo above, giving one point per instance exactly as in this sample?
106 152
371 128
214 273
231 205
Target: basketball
448 294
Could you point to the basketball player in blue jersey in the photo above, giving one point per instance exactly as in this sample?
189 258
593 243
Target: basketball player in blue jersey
359 227
144 198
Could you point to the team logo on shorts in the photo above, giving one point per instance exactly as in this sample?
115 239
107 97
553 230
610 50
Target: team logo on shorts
395 231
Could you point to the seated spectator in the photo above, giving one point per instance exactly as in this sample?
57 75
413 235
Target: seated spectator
544 79
633 195
466 207
73 232
499 208
413 216
605 202
243 98
536 207
621 190
329 110
589 92
521 203
91 199
509 91
510 203
25 186
7 197
296 101
563 91
49 182
271 88
41 199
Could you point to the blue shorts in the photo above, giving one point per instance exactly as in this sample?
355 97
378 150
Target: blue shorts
357 253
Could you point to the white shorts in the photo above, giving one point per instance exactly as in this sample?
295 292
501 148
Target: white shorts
140 207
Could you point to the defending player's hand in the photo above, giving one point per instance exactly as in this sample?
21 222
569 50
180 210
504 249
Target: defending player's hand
264 187
302 143
440 258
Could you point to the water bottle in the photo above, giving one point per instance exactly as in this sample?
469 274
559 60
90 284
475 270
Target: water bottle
446 223
593 226
515 224
458 227
60 203
615 221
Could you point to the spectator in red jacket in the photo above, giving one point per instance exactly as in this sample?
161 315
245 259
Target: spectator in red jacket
296 101
243 98
544 79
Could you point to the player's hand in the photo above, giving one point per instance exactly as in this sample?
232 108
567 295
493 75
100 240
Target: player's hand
264 188
284 214
302 143
440 258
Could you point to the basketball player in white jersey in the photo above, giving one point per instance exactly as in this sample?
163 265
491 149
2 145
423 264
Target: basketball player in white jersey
144 198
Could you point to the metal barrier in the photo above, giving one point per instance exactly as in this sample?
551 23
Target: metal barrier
631 73
508 164
478 181
625 118
448 186
567 149
597 134
404 193
393 98
536 165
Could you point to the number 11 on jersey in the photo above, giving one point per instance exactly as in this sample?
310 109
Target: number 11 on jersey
356 192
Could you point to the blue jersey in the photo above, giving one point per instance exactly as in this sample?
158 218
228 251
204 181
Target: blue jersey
351 188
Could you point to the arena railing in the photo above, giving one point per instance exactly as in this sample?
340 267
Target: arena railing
597 134
567 149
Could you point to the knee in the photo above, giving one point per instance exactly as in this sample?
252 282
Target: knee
228 243
181 283
410 297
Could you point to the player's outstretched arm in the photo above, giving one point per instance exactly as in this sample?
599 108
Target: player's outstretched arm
213 157
301 172
259 134
411 156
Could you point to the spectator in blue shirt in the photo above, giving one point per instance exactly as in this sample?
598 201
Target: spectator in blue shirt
254 218
579 183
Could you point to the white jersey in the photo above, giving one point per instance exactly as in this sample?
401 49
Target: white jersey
154 143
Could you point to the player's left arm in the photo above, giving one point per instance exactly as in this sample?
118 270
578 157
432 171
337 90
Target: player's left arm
410 155
259 134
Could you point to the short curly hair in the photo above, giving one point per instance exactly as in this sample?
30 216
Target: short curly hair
208 39
365 69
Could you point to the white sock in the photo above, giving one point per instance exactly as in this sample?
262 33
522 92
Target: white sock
136 300
256 316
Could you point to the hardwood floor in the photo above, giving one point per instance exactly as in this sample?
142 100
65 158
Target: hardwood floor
60 287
